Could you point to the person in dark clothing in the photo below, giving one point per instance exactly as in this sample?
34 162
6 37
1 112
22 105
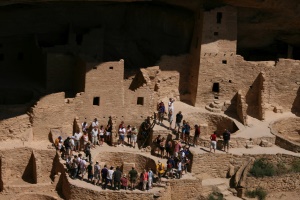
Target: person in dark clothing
179 118
226 138
104 173
87 151
197 135
117 178
132 177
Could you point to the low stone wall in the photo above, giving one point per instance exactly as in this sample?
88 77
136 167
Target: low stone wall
185 189
286 125
236 142
284 183
288 145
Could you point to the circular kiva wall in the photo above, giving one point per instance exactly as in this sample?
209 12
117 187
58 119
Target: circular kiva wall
287 133
28 196
125 161
210 123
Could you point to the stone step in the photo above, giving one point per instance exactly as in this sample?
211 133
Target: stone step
231 197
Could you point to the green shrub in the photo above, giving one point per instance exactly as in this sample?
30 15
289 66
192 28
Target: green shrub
281 169
262 168
260 193
296 166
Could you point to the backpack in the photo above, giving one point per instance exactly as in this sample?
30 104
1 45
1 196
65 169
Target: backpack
66 142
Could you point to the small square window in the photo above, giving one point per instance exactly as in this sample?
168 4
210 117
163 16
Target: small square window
96 101
140 101
224 62
216 33
111 67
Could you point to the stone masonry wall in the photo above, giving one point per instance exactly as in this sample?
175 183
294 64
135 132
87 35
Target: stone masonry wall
52 112
283 183
16 128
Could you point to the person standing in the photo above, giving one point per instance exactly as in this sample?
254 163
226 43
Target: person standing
150 178
187 133
213 143
134 133
108 133
117 178
133 176
145 179
128 132
179 169
90 172
179 118
161 112
197 135
95 136
226 138
122 132
97 173
95 123
109 177
104 173
160 168
124 182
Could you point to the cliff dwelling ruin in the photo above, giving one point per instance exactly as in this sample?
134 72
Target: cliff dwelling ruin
228 64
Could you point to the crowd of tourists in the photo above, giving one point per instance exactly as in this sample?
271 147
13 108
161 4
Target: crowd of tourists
173 150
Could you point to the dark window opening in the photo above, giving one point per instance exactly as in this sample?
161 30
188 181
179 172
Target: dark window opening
216 97
140 101
20 56
111 67
96 101
224 62
230 81
79 39
216 33
215 87
219 17
250 86
95 67
1 57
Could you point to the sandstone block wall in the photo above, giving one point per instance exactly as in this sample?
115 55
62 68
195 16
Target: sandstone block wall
287 133
52 112
16 128
283 183
186 189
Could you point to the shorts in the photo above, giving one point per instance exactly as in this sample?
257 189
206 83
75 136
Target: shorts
121 137
177 124
101 136
82 170
128 136
90 176
161 116
162 148
187 133
133 138
133 180
77 142
213 144
226 143
97 176
107 133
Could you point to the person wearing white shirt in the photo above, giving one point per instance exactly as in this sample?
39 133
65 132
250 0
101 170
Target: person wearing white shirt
122 132
95 123
110 176
77 137
95 136
83 164
179 169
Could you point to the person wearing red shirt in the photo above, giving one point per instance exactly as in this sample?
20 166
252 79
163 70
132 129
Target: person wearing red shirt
213 139
145 179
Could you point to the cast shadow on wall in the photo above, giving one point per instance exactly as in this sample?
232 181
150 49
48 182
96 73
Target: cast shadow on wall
296 104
